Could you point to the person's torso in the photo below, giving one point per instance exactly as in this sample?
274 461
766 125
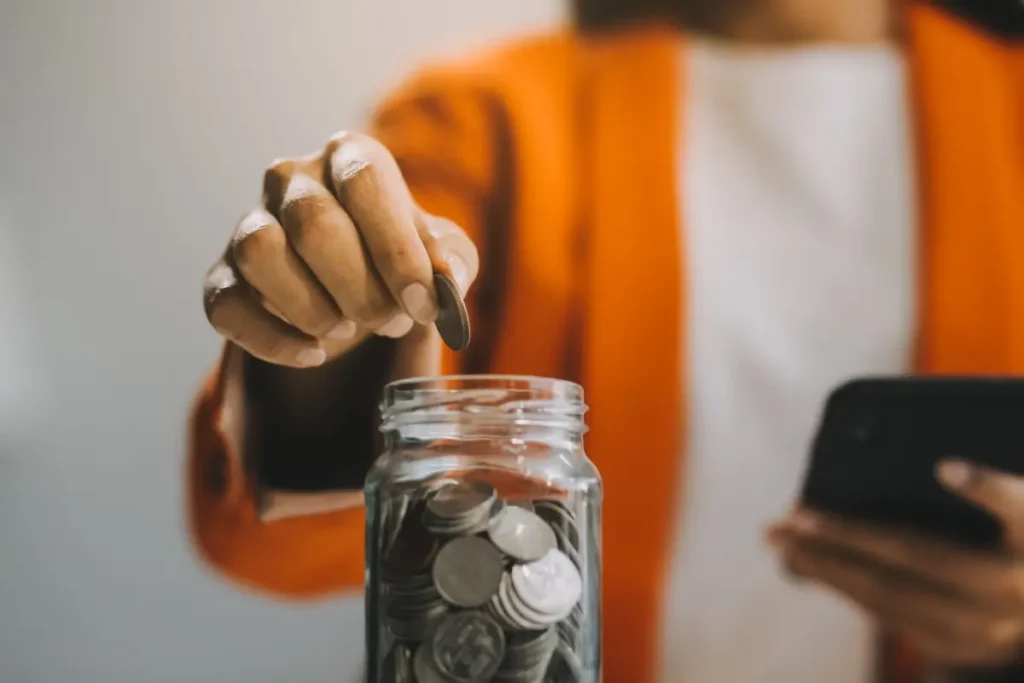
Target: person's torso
586 282
796 196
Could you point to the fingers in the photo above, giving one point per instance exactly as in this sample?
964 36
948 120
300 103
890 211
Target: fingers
370 188
418 354
953 629
329 242
999 493
991 579
261 255
338 250
234 311
449 248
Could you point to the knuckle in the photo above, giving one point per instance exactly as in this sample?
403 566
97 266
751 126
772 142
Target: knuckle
221 304
305 234
278 173
257 219
220 278
256 248
304 198
402 260
352 154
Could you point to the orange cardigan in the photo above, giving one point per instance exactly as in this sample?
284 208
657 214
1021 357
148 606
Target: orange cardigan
558 155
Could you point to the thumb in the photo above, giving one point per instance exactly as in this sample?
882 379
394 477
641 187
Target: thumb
417 354
999 493
451 250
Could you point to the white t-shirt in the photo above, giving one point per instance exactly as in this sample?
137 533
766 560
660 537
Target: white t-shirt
797 194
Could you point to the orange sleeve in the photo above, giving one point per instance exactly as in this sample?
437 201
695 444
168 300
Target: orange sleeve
442 135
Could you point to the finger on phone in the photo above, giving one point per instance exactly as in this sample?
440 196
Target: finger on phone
369 185
1000 493
234 311
326 239
261 254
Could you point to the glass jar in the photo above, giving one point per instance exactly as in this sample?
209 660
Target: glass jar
483 535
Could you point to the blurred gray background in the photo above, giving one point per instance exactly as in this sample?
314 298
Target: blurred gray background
133 134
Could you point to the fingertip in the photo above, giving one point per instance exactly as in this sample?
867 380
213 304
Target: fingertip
420 302
311 357
956 475
458 269
343 331
397 327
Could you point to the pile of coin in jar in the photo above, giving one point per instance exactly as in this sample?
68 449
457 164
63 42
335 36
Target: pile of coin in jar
480 590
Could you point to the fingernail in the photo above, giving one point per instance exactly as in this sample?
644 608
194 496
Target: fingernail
398 326
459 269
955 474
420 303
346 329
311 358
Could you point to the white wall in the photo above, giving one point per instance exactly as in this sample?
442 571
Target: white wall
132 135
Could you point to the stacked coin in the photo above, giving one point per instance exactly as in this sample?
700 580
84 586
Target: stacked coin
477 589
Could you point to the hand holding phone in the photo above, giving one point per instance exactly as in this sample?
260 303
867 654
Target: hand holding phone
881 440
913 509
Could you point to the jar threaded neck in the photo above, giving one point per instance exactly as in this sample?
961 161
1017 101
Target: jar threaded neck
484 401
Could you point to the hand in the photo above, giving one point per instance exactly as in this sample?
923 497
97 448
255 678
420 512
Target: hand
962 607
336 251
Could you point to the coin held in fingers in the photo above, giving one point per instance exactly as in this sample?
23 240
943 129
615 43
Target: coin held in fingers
452 318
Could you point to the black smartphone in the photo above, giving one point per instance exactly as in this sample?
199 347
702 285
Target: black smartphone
880 439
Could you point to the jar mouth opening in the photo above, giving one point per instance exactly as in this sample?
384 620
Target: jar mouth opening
446 383
483 400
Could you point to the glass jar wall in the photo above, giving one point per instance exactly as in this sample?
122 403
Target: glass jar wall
483 535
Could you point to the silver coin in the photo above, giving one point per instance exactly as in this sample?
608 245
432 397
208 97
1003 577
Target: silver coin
565 544
565 666
424 668
550 585
529 615
528 651
473 522
452 317
496 609
459 509
454 500
397 667
561 518
468 647
520 615
416 627
468 571
521 534
568 634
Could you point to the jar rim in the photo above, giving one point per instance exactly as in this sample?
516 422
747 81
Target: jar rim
486 399
569 389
